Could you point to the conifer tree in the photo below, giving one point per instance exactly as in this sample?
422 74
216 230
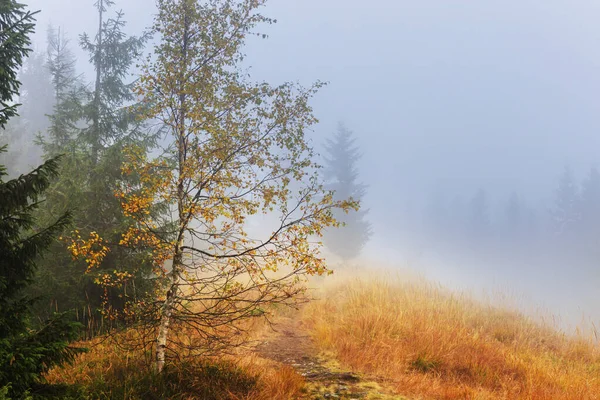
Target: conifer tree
60 62
69 95
61 284
590 203
566 213
93 126
37 101
25 354
479 219
341 174
36 95
13 54
513 212
16 23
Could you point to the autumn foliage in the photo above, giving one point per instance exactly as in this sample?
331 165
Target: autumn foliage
236 149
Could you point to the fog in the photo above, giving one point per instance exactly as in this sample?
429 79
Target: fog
457 107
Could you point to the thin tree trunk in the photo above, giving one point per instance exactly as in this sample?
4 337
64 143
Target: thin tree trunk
96 112
167 309
168 306
58 53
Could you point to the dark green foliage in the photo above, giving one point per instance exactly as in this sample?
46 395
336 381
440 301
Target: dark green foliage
70 95
341 174
26 357
92 124
112 53
26 354
16 23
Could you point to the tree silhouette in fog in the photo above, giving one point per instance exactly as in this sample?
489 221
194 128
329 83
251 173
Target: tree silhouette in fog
514 214
341 175
566 213
590 202
479 217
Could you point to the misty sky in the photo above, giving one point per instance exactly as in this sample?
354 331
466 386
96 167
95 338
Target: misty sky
457 94
443 95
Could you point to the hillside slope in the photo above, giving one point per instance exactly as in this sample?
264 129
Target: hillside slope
362 338
433 344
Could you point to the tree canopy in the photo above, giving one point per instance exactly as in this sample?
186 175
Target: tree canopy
236 149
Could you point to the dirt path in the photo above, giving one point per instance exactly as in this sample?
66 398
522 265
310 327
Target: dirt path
290 344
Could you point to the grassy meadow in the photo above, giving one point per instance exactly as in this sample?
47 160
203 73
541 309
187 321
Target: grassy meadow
416 339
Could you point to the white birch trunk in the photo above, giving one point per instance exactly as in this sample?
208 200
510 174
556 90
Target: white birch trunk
167 311
170 301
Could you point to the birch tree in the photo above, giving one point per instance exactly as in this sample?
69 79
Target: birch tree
236 149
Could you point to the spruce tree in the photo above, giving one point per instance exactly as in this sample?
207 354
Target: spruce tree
341 173
60 283
36 95
25 354
566 213
69 95
16 23
479 218
37 101
60 62
514 214
590 203
93 124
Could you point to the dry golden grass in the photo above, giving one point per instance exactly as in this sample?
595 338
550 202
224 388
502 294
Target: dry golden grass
108 371
432 344
423 341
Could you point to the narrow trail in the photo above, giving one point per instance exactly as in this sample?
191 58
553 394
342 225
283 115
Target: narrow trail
291 344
